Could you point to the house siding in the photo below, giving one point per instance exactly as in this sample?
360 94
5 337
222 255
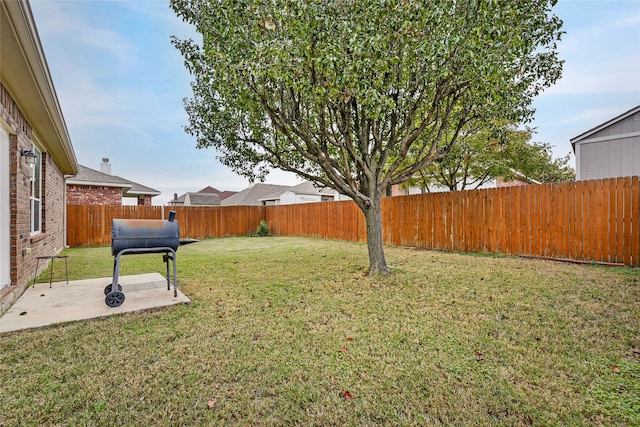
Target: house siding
611 152
609 159
51 239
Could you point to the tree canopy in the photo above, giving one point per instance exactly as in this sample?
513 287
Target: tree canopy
481 155
343 92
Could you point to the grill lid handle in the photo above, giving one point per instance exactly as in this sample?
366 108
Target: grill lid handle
172 216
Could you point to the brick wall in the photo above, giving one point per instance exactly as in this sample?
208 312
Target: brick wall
53 199
51 239
93 195
146 201
513 183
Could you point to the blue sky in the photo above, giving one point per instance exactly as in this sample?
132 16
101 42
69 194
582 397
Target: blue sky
120 84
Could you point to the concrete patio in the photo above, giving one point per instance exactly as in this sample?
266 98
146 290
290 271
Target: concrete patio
84 299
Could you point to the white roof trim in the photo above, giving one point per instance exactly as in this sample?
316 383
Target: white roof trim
608 123
143 193
610 137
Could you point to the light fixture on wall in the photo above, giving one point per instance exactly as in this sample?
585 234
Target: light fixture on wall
30 156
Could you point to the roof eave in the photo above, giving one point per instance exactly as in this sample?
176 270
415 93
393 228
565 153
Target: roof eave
598 128
99 184
144 193
29 82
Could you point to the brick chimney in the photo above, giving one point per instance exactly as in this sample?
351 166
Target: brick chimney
105 166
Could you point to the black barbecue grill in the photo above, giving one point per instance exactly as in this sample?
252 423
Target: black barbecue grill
143 236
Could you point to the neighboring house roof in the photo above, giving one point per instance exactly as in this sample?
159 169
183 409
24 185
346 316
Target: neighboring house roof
211 190
177 201
257 194
25 74
309 187
585 135
201 199
92 177
522 177
254 195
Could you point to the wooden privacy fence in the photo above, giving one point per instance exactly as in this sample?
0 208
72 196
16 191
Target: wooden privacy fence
586 220
91 225
595 220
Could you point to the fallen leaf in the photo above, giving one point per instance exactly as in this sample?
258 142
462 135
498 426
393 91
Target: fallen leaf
346 395
268 24
344 349
506 290
333 381
479 355
211 404
614 369
349 338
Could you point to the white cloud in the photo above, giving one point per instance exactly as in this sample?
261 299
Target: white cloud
71 23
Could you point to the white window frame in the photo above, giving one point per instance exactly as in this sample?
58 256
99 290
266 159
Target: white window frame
35 193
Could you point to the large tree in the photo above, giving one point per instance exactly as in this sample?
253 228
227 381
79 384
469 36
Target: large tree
343 92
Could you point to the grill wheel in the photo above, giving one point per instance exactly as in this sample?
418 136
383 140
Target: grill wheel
109 287
114 299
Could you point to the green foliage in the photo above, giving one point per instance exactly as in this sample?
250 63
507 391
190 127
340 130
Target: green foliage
263 229
342 93
333 90
536 161
483 154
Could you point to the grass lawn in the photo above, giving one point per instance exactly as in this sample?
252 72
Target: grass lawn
290 331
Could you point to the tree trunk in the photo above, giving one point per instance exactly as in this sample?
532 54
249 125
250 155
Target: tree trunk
373 217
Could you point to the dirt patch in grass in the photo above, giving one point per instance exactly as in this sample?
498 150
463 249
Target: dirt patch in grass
288 331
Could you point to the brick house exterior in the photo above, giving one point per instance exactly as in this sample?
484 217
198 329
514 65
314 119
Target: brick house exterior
93 187
32 196
93 195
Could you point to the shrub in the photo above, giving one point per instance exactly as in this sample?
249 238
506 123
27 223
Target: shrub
263 229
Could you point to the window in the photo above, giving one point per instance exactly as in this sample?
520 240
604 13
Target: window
35 198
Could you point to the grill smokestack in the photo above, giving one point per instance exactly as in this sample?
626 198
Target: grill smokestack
105 166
